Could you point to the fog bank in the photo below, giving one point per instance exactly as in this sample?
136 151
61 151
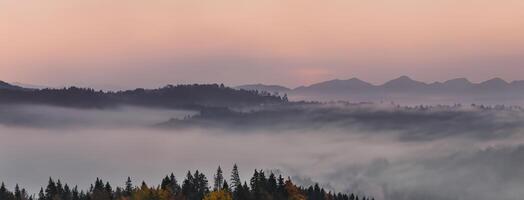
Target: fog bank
77 146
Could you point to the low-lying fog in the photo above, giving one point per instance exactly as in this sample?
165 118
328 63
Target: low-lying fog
77 146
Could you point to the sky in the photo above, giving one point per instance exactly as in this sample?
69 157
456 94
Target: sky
131 43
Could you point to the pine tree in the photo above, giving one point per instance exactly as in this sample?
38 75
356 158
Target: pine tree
272 186
219 179
59 189
51 190
66 195
4 194
235 178
129 187
254 182
201 183
108 190
188 186
75 194
41 195
18 193
100 191
225 187
175 187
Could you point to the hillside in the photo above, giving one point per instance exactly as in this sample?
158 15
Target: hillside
180 96
7 86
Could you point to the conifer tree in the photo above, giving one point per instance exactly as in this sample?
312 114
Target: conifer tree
219 179
75 194
235 178
129 187
51 190
225 187
66 194
4 194
18 193
41 195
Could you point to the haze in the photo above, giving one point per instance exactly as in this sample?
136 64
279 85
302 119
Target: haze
410 138
454 161
126 44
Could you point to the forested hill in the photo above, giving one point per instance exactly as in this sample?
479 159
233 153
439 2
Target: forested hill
195 186
180 96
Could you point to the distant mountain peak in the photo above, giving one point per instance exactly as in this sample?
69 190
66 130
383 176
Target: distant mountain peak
403 82
402 79
458 81
494 83
352 83
355 79
495 80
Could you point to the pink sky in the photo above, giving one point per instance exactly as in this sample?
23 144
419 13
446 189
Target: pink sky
131 43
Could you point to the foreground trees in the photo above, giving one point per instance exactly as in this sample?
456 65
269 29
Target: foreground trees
194 187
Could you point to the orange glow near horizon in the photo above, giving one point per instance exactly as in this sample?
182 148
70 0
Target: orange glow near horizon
51 42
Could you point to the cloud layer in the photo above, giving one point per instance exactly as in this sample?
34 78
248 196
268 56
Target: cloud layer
78 145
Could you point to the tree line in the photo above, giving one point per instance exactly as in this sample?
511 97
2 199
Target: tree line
195 186
191 96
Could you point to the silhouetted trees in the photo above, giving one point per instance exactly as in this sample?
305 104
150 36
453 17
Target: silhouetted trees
181 96
194 187
219 180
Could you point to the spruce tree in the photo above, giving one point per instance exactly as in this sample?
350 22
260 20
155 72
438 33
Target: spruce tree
18 193
235 178
66 195
75 194
225 186
51 190
175 187
219 180
4 194
129 187
41 195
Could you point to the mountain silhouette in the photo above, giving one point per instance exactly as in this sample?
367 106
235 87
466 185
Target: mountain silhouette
404 83
353 84
7 86
408 90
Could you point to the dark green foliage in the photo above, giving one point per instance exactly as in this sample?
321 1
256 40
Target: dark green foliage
128 188
194 187
101 191
225 186
235 178
170 184
5 194
219 179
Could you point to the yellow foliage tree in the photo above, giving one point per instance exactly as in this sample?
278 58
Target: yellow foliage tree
146 193
293 192
219 195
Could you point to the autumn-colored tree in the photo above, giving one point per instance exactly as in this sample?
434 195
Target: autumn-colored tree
194 187
219 195
293 191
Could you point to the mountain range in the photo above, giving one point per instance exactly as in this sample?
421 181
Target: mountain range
406 90
402 90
